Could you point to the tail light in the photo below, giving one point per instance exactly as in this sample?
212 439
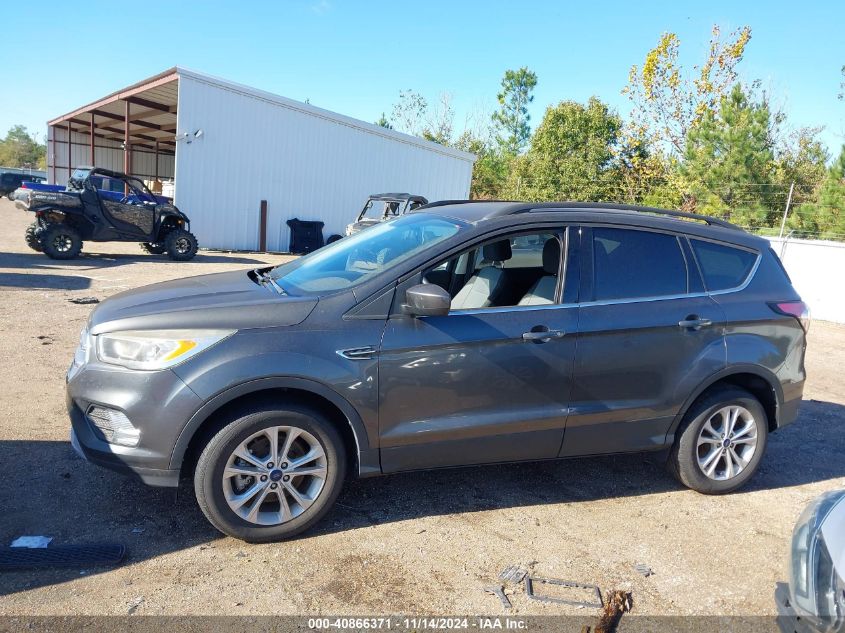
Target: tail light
796 309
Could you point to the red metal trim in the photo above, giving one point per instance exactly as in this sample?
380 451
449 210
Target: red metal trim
127 147
153 82
135 146
55 157
69 148
93 152
153 105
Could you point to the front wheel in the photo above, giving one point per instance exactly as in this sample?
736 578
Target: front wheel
60 241
720 442
181 245
271 473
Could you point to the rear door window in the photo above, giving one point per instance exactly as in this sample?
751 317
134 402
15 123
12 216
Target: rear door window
723 266
632 264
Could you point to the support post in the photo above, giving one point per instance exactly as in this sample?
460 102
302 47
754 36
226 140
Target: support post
262 230
786 210
93 158
127 150
69 147
156 167
55 153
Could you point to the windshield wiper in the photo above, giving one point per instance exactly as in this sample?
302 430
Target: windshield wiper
265 278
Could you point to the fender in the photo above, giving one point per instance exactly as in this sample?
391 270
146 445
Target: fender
368 458
757 370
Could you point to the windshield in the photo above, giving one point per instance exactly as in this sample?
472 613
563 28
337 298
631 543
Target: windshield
378 209
354 259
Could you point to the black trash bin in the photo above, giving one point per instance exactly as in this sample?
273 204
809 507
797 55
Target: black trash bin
305 236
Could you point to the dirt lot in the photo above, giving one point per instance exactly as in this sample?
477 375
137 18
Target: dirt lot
414 543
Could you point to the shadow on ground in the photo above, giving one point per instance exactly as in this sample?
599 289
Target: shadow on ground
44 281
75 502
97 261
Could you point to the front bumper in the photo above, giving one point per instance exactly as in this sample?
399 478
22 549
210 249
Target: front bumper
158 403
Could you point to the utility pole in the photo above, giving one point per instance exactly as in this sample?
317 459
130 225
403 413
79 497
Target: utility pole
786 210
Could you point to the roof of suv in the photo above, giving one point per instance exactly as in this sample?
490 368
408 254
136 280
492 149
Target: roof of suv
475 211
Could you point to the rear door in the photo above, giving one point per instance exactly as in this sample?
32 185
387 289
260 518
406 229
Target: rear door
648 335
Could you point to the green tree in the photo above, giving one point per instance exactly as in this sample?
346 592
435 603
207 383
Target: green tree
801 158
669 99
22 150
729 160
826 219
512 118
490 172
571 155
646 176
384 122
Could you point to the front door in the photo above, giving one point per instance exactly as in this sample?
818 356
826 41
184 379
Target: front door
648 337
490 381
127 208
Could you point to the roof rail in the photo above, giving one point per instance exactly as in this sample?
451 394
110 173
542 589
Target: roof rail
607 206
445 203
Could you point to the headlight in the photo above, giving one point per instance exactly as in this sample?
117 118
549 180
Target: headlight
155 349
817 579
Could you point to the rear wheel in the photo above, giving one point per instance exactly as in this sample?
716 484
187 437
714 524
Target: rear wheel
271 473
60 241
181 245
31 237
720 442
154 248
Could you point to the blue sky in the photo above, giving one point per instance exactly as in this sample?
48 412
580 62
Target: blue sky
355 57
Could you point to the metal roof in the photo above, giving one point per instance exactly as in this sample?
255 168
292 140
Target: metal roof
154 107
396 196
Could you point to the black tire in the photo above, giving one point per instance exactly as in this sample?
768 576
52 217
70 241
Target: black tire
684 457
154 248
334 238
60 241
209 483
31 237
181 245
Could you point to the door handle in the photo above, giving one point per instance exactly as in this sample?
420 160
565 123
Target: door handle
694 322
543 335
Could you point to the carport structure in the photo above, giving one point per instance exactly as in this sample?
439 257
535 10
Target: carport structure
132 130
241 162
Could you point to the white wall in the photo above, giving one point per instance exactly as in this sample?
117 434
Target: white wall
817 270
109 154
259 147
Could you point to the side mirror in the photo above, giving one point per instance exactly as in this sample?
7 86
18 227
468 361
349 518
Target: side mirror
427 300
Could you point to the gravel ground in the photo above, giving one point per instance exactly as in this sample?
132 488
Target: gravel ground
423 543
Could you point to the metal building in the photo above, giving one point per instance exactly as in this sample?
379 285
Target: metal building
227 147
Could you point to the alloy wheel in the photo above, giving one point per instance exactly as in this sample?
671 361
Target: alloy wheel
183 245
62 243
727 442
274 475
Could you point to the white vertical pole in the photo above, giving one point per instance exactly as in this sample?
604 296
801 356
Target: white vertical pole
786 210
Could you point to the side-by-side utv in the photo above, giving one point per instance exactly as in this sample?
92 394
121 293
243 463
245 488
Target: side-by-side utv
100 205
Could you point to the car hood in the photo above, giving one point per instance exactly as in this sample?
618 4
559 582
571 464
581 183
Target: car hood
230 300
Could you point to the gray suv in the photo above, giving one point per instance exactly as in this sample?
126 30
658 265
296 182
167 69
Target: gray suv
461 333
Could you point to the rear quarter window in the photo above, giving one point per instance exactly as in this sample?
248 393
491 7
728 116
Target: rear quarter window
723 266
